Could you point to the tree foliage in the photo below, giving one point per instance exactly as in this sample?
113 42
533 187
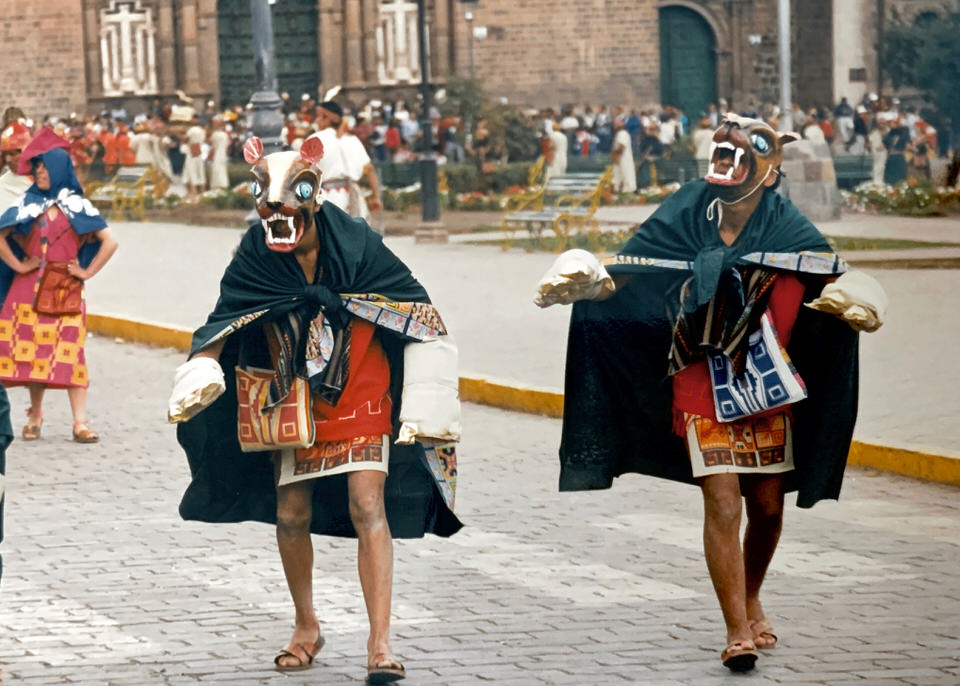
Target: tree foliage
512 134
926 55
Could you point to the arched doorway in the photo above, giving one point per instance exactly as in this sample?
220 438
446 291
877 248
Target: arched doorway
295 41
688 61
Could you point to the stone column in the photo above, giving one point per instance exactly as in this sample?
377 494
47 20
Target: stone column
209 48
371 17
353 31
331 46
91 28
166 49
189 49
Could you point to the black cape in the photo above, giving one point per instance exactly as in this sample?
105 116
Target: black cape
6 438
618 397
229 485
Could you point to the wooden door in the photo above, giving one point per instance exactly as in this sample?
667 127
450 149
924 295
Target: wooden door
688 62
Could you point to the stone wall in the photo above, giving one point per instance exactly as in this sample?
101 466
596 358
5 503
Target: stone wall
43 62
549 52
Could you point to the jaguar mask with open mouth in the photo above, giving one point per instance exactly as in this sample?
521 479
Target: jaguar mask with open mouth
286 188
745 155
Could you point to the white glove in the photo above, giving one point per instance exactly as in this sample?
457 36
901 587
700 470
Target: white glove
575 275
196 384
857 298
430 404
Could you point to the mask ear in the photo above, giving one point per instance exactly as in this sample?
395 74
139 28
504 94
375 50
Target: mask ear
311 150
787 137
253 150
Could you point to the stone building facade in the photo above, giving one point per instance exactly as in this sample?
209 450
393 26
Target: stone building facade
91 54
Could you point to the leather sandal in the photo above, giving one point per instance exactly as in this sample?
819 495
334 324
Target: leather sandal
739 656
385 669
82 433
31 432
763 635
302 663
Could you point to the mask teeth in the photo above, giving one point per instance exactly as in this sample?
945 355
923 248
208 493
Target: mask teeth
289 240
737 156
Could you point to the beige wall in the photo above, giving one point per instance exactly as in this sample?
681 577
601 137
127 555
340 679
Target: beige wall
43 61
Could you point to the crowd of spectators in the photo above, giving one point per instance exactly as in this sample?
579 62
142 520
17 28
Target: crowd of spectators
194 144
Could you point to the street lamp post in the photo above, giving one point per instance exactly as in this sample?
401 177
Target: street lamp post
468 16
786 97
267 119
428 162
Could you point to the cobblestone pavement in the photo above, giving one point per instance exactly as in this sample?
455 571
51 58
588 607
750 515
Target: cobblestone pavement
104 584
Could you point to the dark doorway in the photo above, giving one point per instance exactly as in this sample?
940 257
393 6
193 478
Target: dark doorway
295 41
688 62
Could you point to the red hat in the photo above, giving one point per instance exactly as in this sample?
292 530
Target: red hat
45 141
15 137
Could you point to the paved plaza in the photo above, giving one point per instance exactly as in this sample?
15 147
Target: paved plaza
104 584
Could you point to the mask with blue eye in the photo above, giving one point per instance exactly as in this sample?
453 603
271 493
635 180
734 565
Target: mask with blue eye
304 190
255 188
760 144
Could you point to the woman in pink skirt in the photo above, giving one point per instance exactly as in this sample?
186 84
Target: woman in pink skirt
51 240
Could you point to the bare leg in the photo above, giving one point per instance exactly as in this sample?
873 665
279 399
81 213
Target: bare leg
78 403
374 555
294 511
31 431
721 544
764 498
35 411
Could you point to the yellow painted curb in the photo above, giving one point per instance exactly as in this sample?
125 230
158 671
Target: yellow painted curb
938 468
508 397
132 331
543 401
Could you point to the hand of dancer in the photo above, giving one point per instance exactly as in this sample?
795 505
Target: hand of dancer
857 298
196 384
575 275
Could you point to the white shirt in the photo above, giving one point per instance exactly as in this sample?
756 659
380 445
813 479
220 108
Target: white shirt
814 134
333 164
702 140
355 155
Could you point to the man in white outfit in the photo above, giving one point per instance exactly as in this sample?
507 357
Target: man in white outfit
358 166
624 172
334 174
194 174
219 143
557 158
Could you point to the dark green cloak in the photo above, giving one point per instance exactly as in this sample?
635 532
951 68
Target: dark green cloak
229 485
618 397
6 438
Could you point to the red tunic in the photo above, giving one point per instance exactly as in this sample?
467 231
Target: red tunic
692 389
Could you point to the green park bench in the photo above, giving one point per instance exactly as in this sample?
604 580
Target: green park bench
852 170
